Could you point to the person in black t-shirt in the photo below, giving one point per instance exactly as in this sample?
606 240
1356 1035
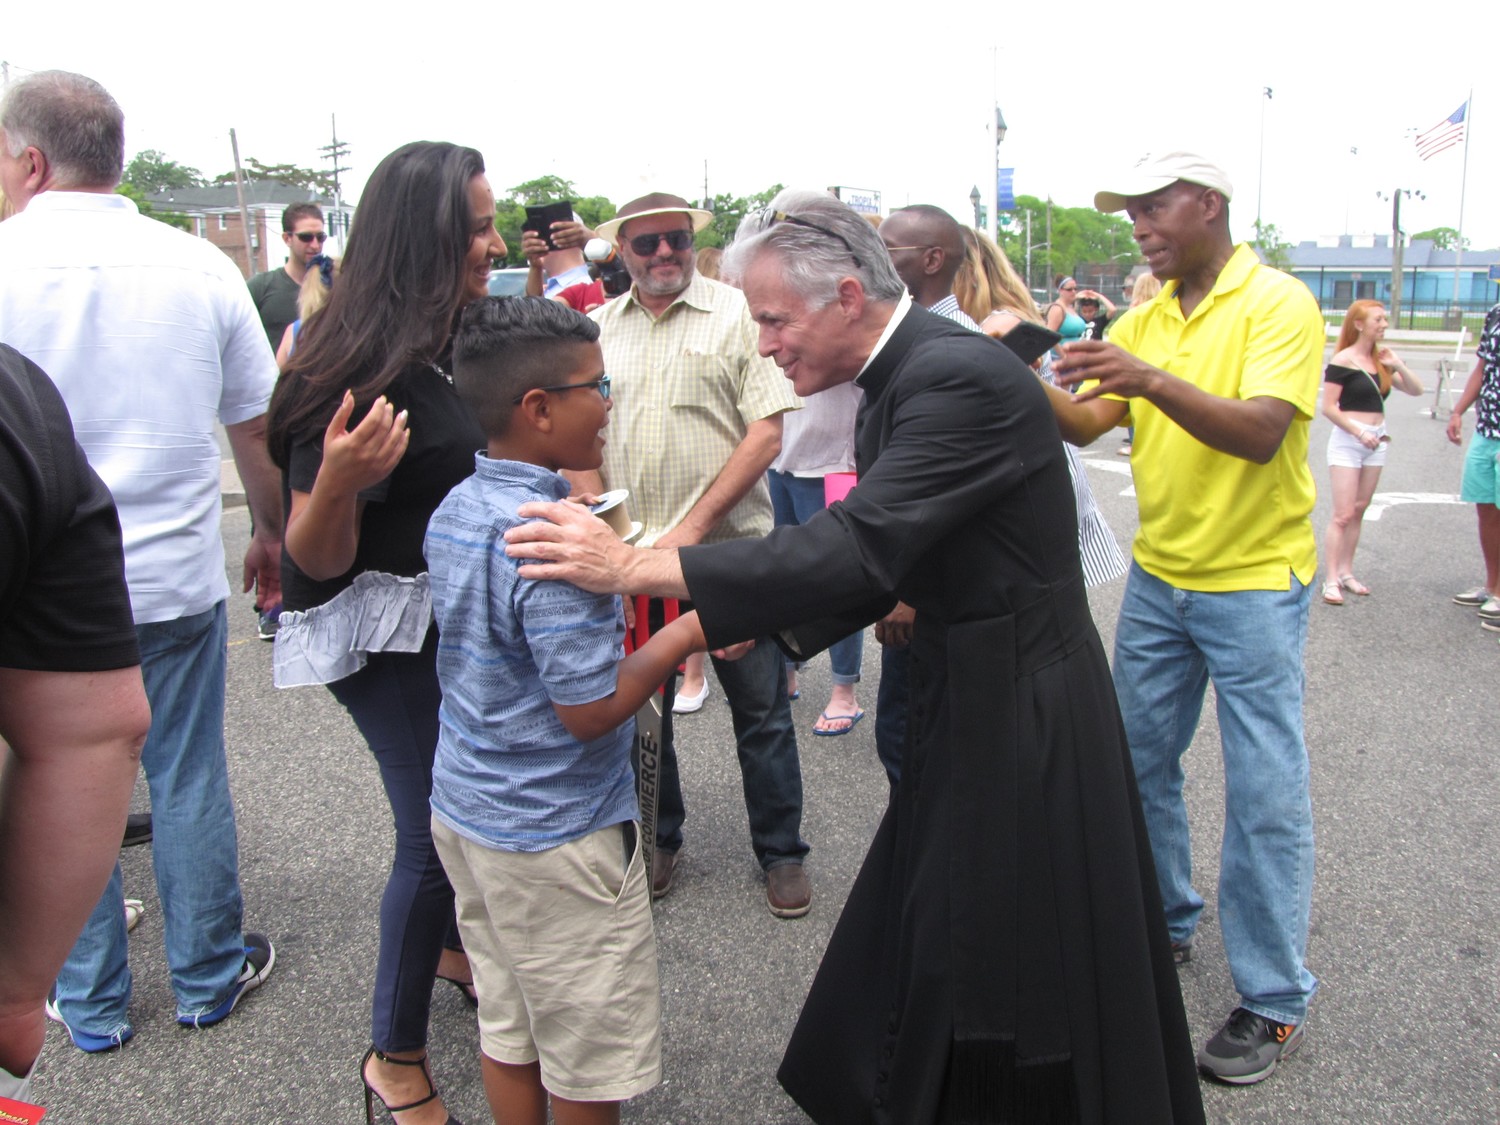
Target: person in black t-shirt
73 711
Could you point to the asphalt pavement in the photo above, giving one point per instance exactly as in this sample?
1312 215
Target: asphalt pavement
1401 727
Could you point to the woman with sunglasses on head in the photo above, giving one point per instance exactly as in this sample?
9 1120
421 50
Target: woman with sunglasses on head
371 436
1356 383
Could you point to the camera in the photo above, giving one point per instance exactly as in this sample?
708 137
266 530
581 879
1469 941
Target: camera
605 266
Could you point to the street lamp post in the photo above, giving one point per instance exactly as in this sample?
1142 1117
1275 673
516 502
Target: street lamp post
995 213
974 198
1261 172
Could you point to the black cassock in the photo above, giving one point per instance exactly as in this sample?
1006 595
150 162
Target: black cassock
1002 955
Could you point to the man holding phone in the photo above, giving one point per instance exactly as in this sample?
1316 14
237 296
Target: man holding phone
553 244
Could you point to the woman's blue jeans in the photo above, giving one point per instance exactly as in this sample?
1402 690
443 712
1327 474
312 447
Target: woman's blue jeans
394 701
795 500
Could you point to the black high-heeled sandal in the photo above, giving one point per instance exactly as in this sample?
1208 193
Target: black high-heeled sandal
471 994
371 1093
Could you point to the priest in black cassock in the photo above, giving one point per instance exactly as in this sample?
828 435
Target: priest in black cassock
1002 956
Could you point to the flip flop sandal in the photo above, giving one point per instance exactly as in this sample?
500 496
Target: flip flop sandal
853 722
1332 594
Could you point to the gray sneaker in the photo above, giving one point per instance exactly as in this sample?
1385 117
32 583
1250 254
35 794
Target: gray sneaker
1475 597
1490 610
1248 1047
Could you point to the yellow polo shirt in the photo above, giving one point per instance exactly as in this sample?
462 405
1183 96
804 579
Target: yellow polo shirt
1211 521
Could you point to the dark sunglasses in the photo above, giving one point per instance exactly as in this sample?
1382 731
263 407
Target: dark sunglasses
601 384
645 245
771 218
311 236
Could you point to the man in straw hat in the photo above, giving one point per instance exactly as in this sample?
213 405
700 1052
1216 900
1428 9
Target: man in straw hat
698 421
1220 376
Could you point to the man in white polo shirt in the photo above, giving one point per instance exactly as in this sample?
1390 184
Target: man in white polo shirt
151 337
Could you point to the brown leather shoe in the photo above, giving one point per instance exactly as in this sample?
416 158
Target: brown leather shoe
788 893
663 868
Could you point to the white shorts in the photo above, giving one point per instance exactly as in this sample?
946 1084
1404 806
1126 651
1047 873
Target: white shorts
1345 451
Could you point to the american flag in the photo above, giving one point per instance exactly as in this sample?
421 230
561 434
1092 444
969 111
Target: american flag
1445 134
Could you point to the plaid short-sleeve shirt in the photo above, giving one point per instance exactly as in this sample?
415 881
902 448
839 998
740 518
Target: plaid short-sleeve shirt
686 386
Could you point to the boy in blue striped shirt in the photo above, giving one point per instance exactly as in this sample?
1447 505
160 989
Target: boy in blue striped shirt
533 795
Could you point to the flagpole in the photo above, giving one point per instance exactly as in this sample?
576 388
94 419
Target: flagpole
1463 189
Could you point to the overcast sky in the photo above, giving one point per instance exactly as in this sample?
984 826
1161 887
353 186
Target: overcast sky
817 94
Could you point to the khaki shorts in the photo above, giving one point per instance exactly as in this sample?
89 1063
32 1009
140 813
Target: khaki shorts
564 959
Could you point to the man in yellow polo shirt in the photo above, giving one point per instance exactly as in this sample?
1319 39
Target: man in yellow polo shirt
1219 374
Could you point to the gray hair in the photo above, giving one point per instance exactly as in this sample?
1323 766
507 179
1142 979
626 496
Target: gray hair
73 121
837 243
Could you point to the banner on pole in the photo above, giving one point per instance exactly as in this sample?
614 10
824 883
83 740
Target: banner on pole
1005 196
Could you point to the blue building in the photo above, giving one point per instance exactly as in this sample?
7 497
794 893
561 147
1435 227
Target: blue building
1342 270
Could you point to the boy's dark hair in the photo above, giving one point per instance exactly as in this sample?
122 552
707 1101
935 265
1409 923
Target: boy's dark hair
507 346
297 212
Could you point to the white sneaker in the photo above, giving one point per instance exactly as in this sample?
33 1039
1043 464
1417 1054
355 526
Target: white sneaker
1490 610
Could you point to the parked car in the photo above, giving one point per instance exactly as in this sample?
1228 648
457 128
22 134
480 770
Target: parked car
508 282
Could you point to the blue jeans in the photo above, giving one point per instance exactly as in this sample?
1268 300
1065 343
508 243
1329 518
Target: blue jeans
766 741
194 850
795 500
1250 642
891 705
393 700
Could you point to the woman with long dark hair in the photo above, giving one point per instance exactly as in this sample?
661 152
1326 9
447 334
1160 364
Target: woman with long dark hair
1356 383
370 436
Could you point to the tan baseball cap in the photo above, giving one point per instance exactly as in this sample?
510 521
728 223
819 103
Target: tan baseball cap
1154 171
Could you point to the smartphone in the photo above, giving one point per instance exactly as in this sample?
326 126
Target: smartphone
1029 340
541 216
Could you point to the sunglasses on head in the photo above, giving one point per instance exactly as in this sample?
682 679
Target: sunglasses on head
771 217
600 384
311 236
645 245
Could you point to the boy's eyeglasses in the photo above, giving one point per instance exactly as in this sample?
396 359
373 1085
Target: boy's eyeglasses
645 245
311 236
600 384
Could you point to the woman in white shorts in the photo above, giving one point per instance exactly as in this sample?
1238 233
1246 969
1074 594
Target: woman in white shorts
1356 383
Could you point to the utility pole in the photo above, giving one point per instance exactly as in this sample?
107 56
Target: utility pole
336 152
239 194
1398 248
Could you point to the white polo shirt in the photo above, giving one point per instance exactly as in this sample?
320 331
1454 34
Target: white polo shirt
151 336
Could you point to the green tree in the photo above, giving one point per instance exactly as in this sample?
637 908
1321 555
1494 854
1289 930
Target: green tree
138 197
1275 251
728 211
1081 237
150 172
1444 238
308 179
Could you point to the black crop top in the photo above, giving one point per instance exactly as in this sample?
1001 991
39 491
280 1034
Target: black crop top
1359 389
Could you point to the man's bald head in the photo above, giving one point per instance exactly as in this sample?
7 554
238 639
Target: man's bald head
927 246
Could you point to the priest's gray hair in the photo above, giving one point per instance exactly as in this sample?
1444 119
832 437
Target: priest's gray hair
814 258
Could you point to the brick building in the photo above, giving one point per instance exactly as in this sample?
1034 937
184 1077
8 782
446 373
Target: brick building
214 214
